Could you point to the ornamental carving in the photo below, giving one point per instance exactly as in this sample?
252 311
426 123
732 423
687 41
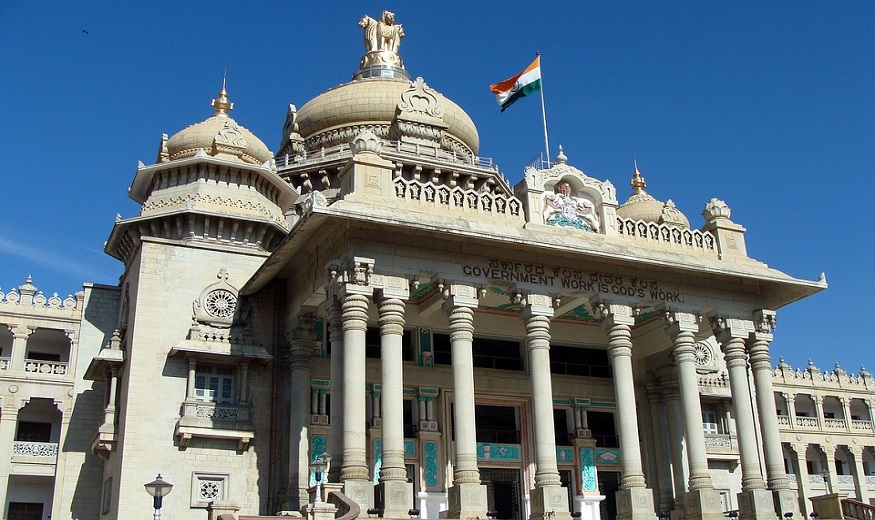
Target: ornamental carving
419 99
382 38
217 304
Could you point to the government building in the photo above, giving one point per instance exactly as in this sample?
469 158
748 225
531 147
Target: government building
377 298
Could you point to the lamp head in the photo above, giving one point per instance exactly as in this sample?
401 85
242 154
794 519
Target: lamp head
158 487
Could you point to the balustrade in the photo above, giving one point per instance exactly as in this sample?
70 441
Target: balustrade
807 422
34 366
835 423
35 449
861 425
4 363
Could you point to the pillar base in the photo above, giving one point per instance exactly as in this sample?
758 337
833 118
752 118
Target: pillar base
394 497
703 504
550 502
756 504
635 504
467 500
588 505
787 501
321 511
361 492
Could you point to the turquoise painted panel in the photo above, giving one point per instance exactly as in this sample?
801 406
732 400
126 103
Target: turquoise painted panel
318 446
564 455
431 463
606 456
378 459
489 451
588 472
409 448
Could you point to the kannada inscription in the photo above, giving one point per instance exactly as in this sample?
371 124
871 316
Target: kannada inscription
572 279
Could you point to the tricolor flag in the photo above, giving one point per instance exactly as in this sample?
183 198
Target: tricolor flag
526 82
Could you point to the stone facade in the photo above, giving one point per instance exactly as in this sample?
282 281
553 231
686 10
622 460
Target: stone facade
458 346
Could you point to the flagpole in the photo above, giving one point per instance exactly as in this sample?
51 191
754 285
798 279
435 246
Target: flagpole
544 111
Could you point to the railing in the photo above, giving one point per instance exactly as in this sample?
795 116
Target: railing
861 425
783 420
540 162
35 449
4 363
716 440
425 152
807 422
858 510
35 366
835 423
791 478
870 480
426 193
845 480
702 241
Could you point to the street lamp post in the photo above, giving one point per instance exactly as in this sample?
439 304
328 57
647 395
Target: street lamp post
158 488
318 467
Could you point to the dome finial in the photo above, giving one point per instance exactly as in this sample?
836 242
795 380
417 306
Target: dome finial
221 103
561 158
637 182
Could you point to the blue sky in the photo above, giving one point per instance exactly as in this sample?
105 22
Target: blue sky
766 105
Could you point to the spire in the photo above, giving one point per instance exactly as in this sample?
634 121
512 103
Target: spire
221 103
637 182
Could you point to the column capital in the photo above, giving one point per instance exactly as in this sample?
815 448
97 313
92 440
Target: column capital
765 321
677 322
535 304
351 276
459 295
613 314
726 329
789 396
391 287
391 316
654 388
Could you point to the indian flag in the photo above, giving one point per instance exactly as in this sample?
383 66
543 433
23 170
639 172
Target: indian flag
527 82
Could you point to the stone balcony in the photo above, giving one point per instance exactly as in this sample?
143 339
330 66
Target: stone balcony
34 458
217 421
45 368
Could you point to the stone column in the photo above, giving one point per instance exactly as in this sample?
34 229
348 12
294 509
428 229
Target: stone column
335 421
846 411
467 497
354 471
300 349
790 399
754 501
700 501
634 500
549 498
20 333
828 462
660 442
66 408
818 410
396 492
676 438
8 424
803 483
786 501
859 476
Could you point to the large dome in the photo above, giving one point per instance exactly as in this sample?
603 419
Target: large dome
336 116
219 136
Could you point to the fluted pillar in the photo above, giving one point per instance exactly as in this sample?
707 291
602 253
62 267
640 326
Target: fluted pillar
803 483
467 497
8 424
786 501
790 399
818 410
335 431
754 501
354 320
860 486
634 500
659 423
549 498
300 349
20 334
700 501
676 438
395 491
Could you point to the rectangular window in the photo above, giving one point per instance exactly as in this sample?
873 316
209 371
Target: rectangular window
214 384
488 353
372 344
25 511
579 361
601 424
34 432
709 422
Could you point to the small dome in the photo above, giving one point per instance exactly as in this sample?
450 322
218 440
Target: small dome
641 206
373 102
219 136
